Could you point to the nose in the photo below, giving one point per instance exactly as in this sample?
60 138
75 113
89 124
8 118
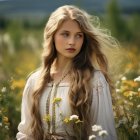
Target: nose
71 40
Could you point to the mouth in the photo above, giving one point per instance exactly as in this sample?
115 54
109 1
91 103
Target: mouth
71 49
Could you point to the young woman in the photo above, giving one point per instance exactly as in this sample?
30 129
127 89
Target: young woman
71 91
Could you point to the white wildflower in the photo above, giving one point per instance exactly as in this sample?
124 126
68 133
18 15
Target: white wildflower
74 117
134 126
124 120
125 102
137 79
6 127
96 128
3 89
138 106
0 124
118 82
117 90
92 137
138 89
103 133
123 78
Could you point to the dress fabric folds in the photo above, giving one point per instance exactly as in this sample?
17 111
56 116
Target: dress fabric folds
101 109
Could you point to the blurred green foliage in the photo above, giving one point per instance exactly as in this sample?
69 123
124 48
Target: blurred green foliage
124 27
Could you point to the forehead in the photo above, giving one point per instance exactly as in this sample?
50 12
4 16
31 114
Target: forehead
70 25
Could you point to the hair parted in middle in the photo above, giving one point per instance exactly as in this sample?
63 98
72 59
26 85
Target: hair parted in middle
89 58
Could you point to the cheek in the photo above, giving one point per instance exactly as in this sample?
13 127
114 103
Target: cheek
59 43
80 44
58 40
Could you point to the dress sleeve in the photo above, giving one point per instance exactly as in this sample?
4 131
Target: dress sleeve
26 118
101 108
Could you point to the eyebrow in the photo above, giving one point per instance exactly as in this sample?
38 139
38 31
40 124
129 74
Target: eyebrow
69 31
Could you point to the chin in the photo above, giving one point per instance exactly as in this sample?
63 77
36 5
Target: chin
70 57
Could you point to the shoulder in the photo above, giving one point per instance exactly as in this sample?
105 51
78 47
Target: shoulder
98 75
98 78
30 83
33 77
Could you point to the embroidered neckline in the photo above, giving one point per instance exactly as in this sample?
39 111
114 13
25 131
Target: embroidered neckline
53 92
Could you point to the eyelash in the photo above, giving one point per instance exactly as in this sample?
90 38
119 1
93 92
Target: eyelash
80 35
67 34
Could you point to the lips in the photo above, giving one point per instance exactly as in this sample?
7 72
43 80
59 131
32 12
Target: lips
70 49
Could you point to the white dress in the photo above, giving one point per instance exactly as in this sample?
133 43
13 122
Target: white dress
101 108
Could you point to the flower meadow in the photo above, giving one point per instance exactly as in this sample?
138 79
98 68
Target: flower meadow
16 63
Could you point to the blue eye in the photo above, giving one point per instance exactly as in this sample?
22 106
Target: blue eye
65 34
79 36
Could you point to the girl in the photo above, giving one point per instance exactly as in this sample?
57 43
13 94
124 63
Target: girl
70 92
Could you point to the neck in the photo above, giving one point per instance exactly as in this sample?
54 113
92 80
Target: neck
60 69
61 66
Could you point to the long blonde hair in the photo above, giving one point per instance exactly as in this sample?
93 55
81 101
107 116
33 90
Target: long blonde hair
90 57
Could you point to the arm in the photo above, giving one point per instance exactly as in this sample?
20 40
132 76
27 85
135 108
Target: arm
101 109
24 125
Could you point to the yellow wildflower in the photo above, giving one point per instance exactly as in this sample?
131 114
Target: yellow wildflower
66 120
126 94
130 83
129 93
18 83
57 100
47 118
78 121
18 70
124 88
5 119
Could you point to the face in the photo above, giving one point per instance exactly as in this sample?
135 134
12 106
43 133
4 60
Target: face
68 39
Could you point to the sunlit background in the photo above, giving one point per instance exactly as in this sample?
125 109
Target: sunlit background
21 34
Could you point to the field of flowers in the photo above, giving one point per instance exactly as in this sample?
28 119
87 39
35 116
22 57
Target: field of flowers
127 97
17 62
15 65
